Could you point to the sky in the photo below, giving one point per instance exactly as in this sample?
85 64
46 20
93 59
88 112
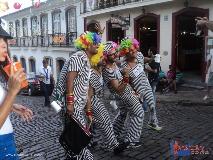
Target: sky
24 4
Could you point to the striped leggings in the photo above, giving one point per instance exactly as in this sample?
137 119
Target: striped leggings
85 154
103 122
145 90
136 115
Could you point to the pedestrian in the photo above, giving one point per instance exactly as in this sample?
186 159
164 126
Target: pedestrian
118 84
9 88
170 80
72 90
138 80
95 28
153 73
209 74
47 81
153 70
100 114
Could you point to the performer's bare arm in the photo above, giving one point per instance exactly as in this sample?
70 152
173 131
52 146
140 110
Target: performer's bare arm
89 97
118 87
70 89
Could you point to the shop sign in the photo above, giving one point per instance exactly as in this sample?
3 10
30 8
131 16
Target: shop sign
120 22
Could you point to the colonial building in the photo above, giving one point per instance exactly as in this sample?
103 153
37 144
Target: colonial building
167 25
44 32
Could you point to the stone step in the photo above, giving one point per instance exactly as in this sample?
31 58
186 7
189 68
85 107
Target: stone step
194 86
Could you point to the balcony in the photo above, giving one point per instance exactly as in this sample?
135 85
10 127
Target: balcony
50 40
100 6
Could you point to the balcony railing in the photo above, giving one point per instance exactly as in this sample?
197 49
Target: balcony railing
101 4
54 40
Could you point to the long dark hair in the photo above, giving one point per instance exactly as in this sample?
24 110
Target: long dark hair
6 62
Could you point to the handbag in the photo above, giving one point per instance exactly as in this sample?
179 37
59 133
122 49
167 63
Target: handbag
74 137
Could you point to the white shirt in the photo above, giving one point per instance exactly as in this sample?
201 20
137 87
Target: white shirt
46 72
7 126
210 57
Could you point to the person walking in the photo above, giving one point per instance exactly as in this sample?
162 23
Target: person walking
138 78
47 80
72 89
100 114
118 84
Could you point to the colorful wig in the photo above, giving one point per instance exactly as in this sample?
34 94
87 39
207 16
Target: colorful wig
125 45
96 59
86 39
110 48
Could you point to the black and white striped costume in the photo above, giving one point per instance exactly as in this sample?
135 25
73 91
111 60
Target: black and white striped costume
78 62
132 107
140 84
100 113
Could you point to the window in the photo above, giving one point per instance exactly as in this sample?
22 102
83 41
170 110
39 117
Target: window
59 65
71 20
56 22
25 27
50 62
44 25
32 65
23 62
15 59
34 26
17 23
11 29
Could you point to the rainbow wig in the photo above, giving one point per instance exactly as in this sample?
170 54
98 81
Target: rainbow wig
125 45
86 39
110 48
96 59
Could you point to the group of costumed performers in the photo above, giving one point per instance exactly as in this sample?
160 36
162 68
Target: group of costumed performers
81 89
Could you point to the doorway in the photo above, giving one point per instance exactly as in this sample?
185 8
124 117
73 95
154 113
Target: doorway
147 31
115 33
188 48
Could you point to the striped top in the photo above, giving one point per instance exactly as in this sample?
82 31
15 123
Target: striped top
140 58
111 74
78 62
139 80
96 81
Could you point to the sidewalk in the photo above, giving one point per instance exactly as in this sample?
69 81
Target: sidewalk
192 97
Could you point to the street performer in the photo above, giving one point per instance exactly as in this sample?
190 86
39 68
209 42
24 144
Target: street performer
73 86
119 85
138 79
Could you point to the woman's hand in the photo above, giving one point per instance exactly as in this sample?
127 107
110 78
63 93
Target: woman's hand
25 113
15 79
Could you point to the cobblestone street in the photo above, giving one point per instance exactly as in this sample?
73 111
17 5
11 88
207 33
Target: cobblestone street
185 122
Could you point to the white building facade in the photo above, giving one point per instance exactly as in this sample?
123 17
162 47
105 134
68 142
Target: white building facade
167 25
47 32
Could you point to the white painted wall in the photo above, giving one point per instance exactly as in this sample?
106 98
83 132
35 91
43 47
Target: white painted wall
80 20
39 54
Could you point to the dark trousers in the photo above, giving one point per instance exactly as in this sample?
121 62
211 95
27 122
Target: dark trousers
46 88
